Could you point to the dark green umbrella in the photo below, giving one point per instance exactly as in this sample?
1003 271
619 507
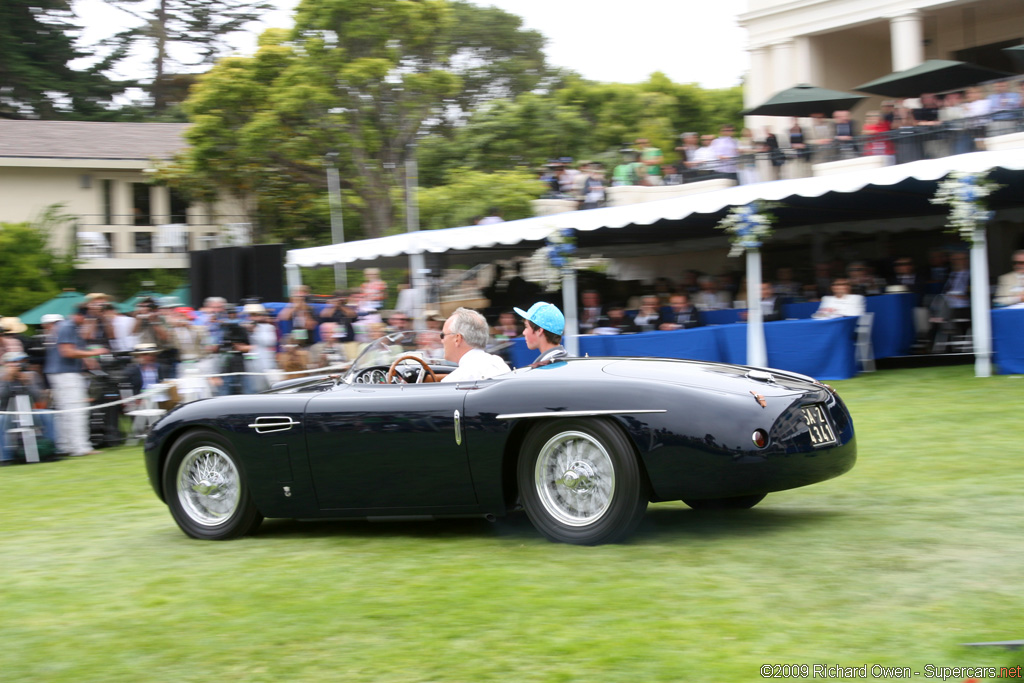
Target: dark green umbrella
62 304
1016 54
804 100
935 75
128 305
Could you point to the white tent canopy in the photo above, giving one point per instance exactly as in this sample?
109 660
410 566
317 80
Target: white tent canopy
535 230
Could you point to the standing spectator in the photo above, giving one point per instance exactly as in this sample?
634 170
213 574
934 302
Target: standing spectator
747 148
593 187
64 364
301 315
341 314
690 145
652 159
845 135
263 353
626 172
13 331
398 322
821 138
798 141
704 162
876 129
952 115
725 149
774 154
191 341
682 314
1003 105
1010 291
507 327
234 345
293 358
374 290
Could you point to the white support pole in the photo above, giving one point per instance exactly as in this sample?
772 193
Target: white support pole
337 221
981 323
293 276
570 336
417 264
757 354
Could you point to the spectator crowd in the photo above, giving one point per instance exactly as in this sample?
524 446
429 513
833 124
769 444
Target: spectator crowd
903 130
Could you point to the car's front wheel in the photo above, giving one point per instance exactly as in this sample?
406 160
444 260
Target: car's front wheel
580 482
205 488
735 503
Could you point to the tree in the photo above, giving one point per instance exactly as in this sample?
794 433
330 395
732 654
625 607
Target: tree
362 78
37 43
31 272
182 33
469 194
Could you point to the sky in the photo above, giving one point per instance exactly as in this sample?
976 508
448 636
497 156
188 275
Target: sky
603 41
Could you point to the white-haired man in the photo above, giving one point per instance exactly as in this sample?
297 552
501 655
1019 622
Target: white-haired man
464 337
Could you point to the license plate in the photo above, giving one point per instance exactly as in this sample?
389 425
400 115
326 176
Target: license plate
818 426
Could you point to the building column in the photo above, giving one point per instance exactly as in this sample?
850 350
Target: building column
783 73
907 36
807 58
758 85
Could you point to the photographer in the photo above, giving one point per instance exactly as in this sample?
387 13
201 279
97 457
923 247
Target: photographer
149 324
17 380
301 315
234 345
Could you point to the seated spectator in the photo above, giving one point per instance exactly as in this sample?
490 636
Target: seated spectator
710 298
785 286
906 279
16 379
648 317
507 327
682 315
1010 291
863 281
771 305
590 312
841 303
292 358
616 322
144 371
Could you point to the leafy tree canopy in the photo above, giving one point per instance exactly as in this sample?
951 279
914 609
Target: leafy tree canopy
30 271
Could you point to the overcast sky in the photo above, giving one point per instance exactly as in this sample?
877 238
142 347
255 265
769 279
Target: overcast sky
624 42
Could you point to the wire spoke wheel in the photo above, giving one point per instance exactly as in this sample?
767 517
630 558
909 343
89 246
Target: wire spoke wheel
205 488
580 481
208 485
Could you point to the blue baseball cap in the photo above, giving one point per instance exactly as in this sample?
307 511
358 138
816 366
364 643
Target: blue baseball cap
546 316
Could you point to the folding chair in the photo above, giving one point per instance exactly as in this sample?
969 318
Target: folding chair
865 350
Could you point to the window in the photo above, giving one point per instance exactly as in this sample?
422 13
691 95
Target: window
141 204
109 237
179 208
108 202
143 242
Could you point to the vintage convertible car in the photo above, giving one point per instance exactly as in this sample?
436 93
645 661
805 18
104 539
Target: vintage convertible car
583 445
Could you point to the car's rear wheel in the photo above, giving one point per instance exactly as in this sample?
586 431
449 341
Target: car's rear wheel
580 482
735 503
205 488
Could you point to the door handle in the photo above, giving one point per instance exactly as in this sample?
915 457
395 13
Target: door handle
458 429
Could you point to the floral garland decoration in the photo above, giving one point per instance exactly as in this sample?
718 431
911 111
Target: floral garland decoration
965 195
561 246
748 226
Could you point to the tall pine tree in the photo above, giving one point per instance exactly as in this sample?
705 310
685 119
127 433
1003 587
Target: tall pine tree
37 43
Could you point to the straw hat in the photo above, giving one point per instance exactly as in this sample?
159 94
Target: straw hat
12 325
145 348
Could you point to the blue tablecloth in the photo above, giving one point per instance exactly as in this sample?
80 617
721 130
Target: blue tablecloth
893 331
820 348
1008 340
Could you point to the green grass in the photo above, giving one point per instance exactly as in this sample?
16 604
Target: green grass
917 550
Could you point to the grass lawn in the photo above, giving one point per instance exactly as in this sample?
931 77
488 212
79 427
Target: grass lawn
915 551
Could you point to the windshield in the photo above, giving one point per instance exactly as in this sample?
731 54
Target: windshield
423 343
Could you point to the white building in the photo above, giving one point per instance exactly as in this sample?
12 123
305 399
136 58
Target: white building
99 174
840 44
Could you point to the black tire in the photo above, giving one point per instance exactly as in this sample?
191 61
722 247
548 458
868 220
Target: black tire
736 503
216 504
580 481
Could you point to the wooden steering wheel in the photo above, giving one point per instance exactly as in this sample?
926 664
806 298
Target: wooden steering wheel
430 376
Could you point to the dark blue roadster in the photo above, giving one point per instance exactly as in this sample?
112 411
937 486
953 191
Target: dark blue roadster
582 445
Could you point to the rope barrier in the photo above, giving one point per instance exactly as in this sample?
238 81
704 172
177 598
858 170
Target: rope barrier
150 392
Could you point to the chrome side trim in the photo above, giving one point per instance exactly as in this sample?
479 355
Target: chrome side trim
458 429
273 423
575 413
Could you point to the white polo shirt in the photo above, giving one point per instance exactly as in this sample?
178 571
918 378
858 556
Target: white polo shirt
476 364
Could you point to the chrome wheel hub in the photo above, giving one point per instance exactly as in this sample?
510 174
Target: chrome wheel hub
574 478
208 485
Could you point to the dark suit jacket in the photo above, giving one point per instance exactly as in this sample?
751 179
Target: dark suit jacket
135 376
775 313
689 318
